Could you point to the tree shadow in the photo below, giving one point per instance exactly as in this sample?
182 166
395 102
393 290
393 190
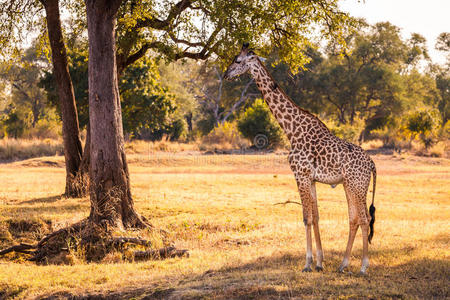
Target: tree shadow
21 212
279 276
49 199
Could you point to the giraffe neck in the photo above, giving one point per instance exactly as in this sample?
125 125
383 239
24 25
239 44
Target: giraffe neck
286 112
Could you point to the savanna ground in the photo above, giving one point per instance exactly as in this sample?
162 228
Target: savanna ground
221 208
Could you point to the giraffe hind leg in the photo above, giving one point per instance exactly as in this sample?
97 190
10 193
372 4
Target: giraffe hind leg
353 226
358 217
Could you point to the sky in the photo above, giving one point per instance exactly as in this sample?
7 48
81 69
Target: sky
428 18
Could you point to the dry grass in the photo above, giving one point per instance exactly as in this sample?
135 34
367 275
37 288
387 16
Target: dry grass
146 147
17 149
220 207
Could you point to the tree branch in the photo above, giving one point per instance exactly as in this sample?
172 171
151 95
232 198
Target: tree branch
242 99
156 23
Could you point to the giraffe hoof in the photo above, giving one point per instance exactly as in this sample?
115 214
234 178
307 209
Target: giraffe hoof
342 269
307 269
319 269
362 273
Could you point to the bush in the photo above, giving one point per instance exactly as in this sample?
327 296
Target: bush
259 126
225 136
177 130
390 138
422 124
44 129
206 125
348 132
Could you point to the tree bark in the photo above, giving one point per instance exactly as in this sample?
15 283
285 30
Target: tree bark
75 181
111 200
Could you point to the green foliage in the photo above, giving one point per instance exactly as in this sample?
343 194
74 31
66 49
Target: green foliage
206 124
257 121
348 132
443 86
421 124
25 110
78 68
14 125
146 106
177 130
219 100
144 103
198 29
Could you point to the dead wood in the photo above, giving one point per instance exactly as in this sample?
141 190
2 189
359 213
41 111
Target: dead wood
71 228
119 241
22 248
288 202
95 240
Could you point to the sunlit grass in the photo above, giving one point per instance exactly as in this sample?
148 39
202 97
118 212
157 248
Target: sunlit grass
241 245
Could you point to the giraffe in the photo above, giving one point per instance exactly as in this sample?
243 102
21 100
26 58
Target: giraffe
316 155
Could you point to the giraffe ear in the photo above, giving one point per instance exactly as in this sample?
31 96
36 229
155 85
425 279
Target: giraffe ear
262 59
250 53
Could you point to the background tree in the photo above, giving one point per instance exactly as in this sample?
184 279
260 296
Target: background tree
147 106
25 108
176 77
16 19
442 77
220 99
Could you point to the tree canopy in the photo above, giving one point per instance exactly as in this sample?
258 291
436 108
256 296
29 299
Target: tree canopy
194 29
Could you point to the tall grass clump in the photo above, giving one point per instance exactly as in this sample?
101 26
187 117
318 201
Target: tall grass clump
18 149
224 136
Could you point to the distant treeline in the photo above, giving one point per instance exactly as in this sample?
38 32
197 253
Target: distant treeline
380 86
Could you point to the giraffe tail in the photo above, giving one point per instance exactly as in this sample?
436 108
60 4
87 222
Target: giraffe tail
372 207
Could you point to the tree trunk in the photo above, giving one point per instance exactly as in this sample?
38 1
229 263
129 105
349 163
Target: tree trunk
75 182
111 201
189 121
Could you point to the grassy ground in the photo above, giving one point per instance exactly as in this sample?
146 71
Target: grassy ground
241 245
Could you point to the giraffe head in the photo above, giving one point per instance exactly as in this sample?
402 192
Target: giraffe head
241 63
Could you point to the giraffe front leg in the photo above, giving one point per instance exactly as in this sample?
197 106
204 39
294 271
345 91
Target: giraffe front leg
304 185
309 257
319 251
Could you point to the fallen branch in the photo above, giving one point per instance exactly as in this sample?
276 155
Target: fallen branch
74 227
22 248
95 240
123 240
288 202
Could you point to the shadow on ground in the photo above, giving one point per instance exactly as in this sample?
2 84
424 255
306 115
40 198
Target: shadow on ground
279 277
50 199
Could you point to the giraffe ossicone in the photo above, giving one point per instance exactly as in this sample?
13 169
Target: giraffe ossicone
316 155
